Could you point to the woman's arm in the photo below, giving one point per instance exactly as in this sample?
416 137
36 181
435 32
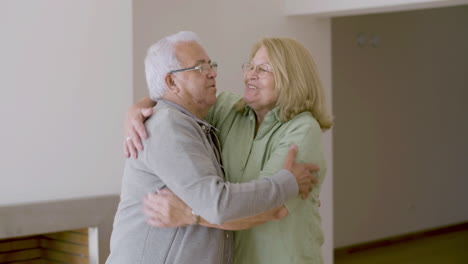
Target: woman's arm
134 127
277 213
165 209
135 131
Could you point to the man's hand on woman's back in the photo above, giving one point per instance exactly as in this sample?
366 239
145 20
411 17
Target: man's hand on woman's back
304 172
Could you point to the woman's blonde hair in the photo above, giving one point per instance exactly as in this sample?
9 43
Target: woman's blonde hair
296 80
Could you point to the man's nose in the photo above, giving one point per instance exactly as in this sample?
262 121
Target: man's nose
212 74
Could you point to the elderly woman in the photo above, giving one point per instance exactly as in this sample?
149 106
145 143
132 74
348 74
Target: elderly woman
283 104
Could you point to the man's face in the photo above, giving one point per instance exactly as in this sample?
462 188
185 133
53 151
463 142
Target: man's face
197 89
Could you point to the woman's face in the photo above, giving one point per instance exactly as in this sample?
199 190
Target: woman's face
260 93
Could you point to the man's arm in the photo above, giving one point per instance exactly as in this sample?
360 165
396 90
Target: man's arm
165 209
177 154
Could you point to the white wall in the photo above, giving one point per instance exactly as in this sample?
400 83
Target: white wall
354 7
228 30
66 79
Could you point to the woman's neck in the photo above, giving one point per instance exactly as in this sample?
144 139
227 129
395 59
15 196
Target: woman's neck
258 120
260 116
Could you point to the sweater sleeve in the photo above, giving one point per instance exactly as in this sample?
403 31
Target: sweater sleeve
178 153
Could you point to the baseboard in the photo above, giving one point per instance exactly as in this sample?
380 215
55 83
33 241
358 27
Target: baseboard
399 239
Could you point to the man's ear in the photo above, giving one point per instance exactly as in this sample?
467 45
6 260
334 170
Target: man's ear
170 83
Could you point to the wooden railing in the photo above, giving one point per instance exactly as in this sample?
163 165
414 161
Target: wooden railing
69 247
74 231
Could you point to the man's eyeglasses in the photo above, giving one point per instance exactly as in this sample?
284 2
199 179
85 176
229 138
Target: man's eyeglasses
202 68
261 69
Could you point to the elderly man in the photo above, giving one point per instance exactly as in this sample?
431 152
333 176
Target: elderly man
182 154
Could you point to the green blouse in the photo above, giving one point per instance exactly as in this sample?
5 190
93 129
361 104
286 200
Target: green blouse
298 237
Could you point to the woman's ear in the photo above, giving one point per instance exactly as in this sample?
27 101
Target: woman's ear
170 83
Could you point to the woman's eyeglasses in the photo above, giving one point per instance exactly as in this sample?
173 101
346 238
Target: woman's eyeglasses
260 69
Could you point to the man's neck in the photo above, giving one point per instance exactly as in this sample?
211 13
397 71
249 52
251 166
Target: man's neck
190 107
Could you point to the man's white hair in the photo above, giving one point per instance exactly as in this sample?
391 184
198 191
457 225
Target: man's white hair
161 58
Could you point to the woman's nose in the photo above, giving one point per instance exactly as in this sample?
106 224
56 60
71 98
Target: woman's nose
252 75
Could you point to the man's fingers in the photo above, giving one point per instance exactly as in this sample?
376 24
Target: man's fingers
291 157
312 167
314 179
304 188
306 184
305 193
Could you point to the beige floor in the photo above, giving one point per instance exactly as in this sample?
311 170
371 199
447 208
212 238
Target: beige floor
451 248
